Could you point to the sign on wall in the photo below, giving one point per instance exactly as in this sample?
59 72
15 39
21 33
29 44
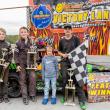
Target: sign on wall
41 17
73 14
98 87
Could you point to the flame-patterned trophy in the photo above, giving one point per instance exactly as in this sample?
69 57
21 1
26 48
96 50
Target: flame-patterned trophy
70 90
3 63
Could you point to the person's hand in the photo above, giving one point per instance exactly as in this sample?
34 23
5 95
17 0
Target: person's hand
18 68
42 78
57 76
65 55
6 65
32 47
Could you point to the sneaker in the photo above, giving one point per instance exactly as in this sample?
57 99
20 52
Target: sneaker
1 99
62 100
6 99
82 105
33 98
53 100
25 101
45 101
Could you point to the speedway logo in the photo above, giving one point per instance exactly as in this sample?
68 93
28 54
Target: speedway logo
41 17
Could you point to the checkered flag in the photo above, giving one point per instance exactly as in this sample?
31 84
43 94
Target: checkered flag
49 41
77 60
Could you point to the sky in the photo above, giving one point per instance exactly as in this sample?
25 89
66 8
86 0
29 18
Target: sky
13 19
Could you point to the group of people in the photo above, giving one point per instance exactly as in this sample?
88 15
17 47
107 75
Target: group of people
50 68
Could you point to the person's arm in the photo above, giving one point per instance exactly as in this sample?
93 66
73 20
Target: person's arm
10 54
16 58
56 66
62 54
16 55
43 69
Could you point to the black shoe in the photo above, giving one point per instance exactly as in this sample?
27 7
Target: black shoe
25 101
6 100
33 98
1 100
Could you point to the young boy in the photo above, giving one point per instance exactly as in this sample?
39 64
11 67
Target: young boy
20 54
4 46
49 74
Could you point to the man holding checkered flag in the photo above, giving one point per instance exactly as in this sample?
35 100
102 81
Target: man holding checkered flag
77 60
67 45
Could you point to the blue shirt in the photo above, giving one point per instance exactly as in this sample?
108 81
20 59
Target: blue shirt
49 67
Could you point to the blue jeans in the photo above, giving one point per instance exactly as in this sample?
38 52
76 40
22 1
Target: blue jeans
47 85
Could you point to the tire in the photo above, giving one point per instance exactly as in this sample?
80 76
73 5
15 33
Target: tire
13 85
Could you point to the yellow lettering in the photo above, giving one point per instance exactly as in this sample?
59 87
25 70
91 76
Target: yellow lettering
103 92
108 92
98 92
80 17
102 86
107 85
96 85
75 17
64 18
92 85
93 15
69 17
85 17
59 18
99 15
55 18
106 15
93 92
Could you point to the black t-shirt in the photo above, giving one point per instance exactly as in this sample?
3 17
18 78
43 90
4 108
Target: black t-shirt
67 45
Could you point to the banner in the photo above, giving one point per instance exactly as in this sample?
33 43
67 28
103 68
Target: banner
98 87
73 14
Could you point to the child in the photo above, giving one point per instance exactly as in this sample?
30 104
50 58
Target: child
20 54
4 45
49 73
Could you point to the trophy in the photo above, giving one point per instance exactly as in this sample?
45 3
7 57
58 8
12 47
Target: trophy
70 88
3 63
32 56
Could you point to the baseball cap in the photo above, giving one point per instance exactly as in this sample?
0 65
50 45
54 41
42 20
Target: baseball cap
67 26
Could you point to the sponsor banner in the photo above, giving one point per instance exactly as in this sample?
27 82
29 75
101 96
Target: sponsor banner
98 87
73 14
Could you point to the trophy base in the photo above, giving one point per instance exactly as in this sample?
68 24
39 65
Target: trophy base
32 52
72 87
31 68
1 80
2 64
69 104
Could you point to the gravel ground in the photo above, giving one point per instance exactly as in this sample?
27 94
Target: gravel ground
16 104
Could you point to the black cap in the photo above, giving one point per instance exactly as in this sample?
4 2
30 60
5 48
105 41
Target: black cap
67 26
